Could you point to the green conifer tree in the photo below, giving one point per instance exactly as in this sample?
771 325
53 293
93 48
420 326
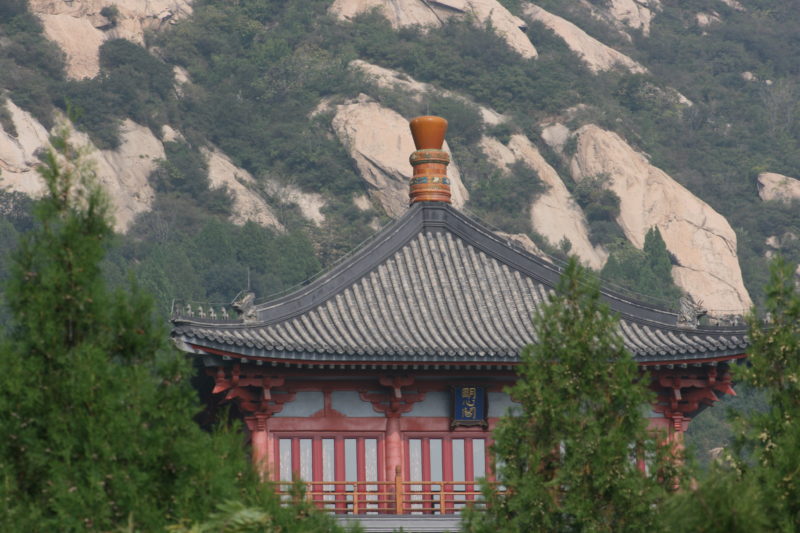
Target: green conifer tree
655 250
568 457
647 272
757 485
774 366
96 428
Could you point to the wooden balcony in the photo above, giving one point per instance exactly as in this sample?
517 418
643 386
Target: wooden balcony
396 497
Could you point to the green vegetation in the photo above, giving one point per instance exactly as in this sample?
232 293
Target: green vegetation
714 430
88 374
568 457
504 199
30 65
774 367
755 487
172 250
184 174
601 207
96 416
647 272
111 13
132 84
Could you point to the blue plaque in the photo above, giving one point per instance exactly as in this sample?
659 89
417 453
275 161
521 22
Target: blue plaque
469 406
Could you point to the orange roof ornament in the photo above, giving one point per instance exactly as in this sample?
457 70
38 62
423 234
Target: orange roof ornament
429 182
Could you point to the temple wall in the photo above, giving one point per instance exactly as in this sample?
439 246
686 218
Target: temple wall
304 404
434 404
349 403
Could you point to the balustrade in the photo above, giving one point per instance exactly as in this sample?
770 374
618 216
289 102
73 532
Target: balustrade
398 497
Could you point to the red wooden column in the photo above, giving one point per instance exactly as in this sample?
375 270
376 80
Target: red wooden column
393 404
447 498
259 441
339 474
394 446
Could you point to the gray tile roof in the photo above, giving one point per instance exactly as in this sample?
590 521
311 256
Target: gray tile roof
436 287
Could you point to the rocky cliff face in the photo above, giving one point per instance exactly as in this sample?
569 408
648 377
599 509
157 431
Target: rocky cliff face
554 213
248 205
377 138
18 153
700 239
633 14
431 13
79 28
772 186
391 79
122 172
597 56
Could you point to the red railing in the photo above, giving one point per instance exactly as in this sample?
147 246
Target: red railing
389 497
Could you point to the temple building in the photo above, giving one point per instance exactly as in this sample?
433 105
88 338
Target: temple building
379 383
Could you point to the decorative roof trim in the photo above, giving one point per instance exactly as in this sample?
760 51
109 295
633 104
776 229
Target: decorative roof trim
218 356
275 357
437 216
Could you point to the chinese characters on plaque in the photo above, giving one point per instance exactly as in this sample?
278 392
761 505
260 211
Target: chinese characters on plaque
469 406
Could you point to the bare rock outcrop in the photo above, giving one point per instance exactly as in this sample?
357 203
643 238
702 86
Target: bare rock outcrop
734 4
636 14
391 79
362 202
497 153
122 172
701 240
380 142
248 205
706 19
18 153
79 40
432 13
554 213
777 187
181 79
309 203
597 56
555 135
78 27
170 134
776 243
625 15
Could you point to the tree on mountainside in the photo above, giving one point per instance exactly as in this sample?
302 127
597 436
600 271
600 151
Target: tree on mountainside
96 415
647 271
568 456
756 488
774 366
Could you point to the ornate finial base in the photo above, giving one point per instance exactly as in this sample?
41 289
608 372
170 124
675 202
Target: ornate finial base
430 182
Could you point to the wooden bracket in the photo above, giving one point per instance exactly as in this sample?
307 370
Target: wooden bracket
396 402
252 391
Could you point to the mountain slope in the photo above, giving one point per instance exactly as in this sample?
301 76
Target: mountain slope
245 106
